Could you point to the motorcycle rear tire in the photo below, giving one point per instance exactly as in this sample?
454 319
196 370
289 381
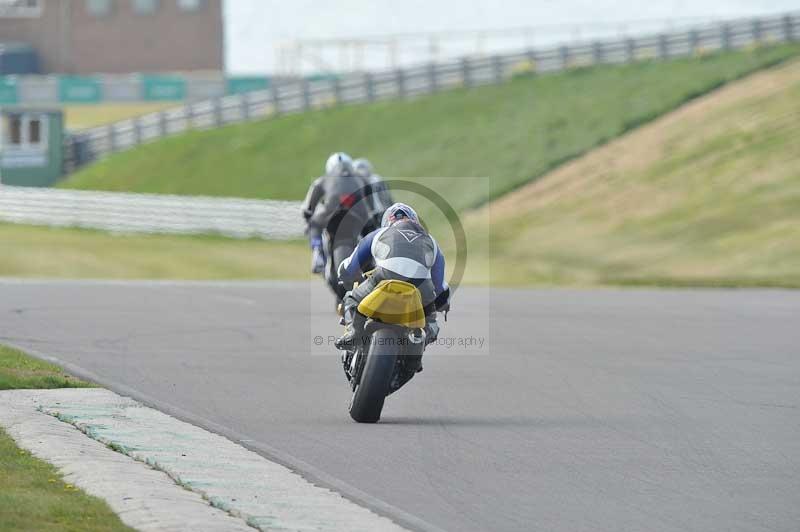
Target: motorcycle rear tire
376 378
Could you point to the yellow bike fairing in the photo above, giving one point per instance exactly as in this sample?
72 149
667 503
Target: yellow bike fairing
395 302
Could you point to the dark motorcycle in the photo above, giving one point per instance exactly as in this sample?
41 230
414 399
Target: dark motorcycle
390 350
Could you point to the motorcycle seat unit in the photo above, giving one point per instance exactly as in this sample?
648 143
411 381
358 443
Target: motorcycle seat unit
394 302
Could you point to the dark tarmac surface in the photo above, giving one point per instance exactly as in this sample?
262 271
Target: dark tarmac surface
582 410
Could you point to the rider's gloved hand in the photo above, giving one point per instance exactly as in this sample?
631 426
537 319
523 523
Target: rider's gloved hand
342 276
431 331
442 301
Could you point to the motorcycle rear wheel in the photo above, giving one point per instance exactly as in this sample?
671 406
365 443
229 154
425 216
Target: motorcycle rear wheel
376 378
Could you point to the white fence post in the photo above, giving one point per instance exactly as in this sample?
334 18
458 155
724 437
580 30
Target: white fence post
466 72
597 53
433 78
244 106
563 53
305 88
663 48
788 28
369 87
68 151
162 124
755 29
497 68
188 112
400 77
112 138
694 41
630 50
336 86
725 36
216 112
532 57
276 100
137 131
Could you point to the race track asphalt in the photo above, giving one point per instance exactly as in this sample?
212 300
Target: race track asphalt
601 410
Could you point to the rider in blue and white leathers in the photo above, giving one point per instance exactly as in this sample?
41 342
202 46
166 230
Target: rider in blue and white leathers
403 250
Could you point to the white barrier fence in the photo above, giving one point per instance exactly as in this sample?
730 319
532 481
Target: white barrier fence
151 213
303 95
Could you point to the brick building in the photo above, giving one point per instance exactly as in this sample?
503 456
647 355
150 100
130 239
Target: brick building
117 36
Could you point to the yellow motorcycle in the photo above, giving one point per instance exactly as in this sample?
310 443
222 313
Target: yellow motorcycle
390 350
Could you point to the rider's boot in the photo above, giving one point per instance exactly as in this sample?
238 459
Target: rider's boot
317 256
431 335
354 327
317 261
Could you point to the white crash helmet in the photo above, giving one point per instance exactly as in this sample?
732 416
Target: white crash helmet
398 212
363 168
339 165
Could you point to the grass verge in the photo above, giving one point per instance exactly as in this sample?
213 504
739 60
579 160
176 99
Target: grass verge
33 495
92 115
706 196
19 371
77 253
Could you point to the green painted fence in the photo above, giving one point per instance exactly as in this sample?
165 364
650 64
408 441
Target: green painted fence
8 91
239 85
79 90
70 89
163 88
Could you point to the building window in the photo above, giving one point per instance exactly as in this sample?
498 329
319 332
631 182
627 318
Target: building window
98 8
35 131
20 8
26 131
15 130
190 5
145 7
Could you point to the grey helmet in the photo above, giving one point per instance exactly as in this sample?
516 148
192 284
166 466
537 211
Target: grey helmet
339 165
363 168
398 212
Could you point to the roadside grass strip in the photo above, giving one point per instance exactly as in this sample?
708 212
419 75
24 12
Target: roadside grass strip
34 496
263 494
36 252
19 371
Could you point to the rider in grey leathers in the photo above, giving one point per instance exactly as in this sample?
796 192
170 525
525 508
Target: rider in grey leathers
379 195
336 212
